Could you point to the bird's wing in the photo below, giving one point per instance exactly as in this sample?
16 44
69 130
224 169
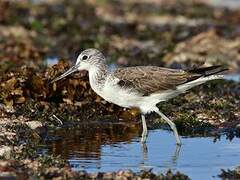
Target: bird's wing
150 79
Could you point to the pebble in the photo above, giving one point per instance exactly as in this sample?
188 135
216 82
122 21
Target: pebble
5 151
34 124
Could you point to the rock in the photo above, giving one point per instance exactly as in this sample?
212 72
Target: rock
206 47
230 174
109 175
34 124
238 126
8 175
5 151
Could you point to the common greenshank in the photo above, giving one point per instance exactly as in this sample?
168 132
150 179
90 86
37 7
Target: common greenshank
141 87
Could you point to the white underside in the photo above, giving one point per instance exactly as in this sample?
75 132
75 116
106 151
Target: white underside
113 93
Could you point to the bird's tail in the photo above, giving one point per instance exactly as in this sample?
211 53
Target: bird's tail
208 71
201 75
196 77
212 72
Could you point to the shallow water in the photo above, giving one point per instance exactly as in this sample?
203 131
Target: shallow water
231 4
107 149
233 77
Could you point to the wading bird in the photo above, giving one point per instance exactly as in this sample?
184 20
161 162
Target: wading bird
141 86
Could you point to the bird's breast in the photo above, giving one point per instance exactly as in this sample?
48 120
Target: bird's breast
113 93
117 95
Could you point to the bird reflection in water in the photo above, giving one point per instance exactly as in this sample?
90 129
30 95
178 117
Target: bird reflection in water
83 145
86 140
173 162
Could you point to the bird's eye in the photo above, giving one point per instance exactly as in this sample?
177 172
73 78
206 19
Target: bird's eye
84 57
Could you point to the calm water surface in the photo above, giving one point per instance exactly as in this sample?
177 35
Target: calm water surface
104 148
110 146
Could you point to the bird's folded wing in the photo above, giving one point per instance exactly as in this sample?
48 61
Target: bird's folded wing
150 79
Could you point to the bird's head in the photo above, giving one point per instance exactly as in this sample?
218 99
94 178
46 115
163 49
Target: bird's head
87 59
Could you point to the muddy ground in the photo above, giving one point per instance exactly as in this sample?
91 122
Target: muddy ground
166 33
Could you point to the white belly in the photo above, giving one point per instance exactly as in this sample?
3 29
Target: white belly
119 96
113 93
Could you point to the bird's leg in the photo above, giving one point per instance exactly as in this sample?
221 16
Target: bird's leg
171 124
144 151
145 131
176 155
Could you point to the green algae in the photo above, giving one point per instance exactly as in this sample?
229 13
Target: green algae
190 125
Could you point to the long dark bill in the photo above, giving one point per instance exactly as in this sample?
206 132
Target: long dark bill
68 72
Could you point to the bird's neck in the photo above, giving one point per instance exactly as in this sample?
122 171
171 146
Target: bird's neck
98 76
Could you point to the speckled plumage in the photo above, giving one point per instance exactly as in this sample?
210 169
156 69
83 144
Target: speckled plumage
151 79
